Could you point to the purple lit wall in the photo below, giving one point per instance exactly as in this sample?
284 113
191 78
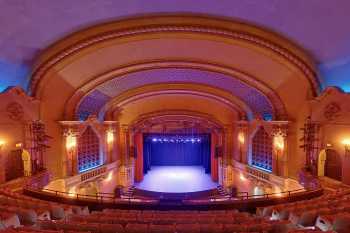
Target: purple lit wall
318 26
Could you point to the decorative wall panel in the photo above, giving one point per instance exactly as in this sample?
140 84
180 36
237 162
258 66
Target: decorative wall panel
262 150
88 150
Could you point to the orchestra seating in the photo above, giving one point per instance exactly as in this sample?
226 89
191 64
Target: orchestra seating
29 210
328 213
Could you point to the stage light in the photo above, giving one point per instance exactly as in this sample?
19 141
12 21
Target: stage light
19 145
154 140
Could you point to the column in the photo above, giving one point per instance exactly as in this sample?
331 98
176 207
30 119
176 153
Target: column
242 139
279 157
70 160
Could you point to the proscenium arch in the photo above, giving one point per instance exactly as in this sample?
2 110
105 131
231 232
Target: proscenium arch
190 24
278 108
153 117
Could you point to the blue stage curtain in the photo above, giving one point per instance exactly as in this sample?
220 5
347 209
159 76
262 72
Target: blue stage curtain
179 153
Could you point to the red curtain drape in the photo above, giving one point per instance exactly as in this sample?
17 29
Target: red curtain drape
214 159
139 157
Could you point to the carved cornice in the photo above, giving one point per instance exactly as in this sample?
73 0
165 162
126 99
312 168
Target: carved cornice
177 27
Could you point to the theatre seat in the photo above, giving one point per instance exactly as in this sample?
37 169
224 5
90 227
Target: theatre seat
229 228
136 228
342 223
161 228
211 228
9 220
187 228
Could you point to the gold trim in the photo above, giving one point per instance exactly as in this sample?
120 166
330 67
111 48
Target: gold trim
175 24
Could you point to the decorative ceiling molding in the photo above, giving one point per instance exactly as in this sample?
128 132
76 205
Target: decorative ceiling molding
257 96
279 111
242 109
160 117
181 24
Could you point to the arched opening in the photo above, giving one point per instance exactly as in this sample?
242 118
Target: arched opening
333 166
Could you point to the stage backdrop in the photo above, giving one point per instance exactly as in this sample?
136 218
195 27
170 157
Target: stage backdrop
176 150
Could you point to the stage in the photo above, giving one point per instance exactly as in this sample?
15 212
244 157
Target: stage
176 179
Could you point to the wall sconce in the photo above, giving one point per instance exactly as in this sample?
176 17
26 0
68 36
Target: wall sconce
278 143
241 137
19 145
2 144
110 136
71 142
241 140
346 143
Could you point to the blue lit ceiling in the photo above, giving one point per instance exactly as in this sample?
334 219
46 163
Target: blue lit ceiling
318 26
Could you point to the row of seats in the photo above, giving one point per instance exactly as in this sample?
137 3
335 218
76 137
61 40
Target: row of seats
268 227
167 218
328 212
28 210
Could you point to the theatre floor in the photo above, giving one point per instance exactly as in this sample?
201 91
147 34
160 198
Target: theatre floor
176 179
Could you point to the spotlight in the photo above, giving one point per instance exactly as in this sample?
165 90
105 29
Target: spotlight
154 140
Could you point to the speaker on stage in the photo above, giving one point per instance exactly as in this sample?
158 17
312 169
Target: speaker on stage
218 151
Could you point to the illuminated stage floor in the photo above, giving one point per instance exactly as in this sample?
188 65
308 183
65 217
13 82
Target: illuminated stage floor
176 179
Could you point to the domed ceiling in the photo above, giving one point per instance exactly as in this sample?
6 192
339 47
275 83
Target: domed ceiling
320 27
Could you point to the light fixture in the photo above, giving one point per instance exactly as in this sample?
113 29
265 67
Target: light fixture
241 137
109 177
242 177
71 142
2 143
278 142
346 143
19 145
110 136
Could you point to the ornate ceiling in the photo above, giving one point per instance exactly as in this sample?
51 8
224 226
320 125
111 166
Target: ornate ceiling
318 26
94 102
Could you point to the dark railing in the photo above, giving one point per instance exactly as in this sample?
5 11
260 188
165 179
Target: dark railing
110 197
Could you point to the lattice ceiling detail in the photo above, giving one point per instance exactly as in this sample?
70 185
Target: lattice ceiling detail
96 99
